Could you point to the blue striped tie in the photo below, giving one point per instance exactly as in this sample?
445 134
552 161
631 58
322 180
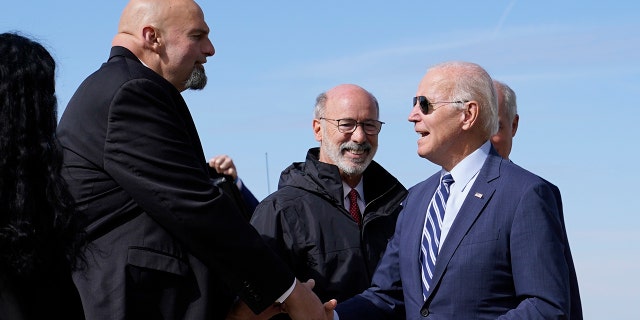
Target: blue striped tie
431 232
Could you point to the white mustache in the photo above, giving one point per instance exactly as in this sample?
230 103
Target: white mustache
355 147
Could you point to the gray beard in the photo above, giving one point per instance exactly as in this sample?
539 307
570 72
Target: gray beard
334 152
197 80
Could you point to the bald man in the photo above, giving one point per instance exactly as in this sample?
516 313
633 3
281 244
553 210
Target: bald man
310 222
163 242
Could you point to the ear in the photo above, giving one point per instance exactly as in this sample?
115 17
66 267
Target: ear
514 125
470 114
151 38
317 129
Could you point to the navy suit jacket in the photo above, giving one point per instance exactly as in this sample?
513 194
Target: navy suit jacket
504 256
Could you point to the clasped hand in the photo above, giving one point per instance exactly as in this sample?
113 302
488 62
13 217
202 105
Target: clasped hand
302 303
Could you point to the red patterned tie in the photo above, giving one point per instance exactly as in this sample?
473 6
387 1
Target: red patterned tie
354 210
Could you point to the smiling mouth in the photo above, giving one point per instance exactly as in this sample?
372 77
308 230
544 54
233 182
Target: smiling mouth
356 152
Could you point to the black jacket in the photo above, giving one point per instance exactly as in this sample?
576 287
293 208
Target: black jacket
164 242
308 225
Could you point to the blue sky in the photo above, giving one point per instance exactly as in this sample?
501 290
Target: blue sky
573 64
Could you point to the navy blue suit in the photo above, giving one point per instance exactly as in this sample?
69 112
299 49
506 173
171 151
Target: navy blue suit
504 256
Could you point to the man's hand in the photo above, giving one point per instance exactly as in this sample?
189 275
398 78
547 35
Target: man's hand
302 303
224 165
329 308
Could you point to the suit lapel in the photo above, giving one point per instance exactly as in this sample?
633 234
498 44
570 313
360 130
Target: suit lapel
479 195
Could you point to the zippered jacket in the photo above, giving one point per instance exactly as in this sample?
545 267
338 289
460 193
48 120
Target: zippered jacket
306 222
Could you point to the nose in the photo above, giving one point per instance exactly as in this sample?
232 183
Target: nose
359 136
415 114
209 49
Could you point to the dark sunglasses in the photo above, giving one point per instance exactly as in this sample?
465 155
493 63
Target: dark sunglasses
424 103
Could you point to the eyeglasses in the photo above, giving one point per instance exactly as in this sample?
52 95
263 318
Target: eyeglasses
370 127
424 103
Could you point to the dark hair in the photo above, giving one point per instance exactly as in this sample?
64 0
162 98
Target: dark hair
36 210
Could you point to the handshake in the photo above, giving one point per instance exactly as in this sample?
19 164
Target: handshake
302 303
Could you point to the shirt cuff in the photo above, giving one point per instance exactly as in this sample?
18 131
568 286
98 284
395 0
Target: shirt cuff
286 294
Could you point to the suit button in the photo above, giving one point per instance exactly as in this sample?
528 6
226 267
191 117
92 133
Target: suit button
424 312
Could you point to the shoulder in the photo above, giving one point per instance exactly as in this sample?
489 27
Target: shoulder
430 182
124 68
277 201
515 174
286 196
379 175
515 182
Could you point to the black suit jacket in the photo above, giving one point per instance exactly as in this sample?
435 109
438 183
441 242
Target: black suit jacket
163 239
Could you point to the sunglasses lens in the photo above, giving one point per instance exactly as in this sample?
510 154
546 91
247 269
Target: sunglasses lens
424 103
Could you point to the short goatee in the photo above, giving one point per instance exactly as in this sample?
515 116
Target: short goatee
197 80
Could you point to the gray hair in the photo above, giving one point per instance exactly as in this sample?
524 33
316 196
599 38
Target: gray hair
476 85
508 98
321 105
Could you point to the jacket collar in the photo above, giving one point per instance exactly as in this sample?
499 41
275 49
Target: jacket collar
323 178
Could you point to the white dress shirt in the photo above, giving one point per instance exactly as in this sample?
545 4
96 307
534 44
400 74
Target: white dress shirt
464 175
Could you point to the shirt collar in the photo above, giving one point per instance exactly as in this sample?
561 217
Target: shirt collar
359 187
464 171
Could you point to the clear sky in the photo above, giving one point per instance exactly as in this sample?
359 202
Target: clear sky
573 64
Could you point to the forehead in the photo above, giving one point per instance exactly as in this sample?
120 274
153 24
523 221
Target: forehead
351 105
435 85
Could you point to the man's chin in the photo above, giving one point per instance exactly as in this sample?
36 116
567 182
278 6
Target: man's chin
197 80
358 165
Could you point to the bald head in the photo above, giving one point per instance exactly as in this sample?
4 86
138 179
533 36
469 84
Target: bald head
137 15
170 37
350 92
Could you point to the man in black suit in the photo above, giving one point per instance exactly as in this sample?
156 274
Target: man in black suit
164 242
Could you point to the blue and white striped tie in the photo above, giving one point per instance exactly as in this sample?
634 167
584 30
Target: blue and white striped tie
431 232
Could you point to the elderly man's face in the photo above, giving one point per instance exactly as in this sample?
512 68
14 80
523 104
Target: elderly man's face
437 129
350 152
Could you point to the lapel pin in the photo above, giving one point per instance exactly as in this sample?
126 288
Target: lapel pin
478 195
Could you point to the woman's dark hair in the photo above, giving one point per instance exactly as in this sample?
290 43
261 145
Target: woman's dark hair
36 210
